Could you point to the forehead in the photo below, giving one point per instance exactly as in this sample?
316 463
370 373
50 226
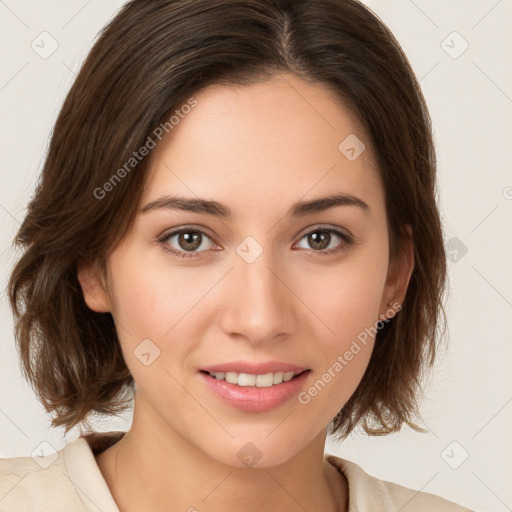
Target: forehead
266 143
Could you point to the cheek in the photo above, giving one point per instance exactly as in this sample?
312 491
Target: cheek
347 299
150 304
150 297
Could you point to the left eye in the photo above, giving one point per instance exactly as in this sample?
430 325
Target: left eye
192 241
320 239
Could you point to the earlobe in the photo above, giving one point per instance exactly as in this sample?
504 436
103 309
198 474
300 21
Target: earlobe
93 288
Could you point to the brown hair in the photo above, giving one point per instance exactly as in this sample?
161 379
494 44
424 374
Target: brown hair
147 62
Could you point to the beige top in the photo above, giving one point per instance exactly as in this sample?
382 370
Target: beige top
71 481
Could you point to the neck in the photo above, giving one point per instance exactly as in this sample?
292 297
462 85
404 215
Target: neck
142 475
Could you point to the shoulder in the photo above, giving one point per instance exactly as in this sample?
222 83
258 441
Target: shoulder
67 479
368 493
36 483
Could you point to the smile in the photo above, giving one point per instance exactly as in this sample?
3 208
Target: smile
260 381
254 392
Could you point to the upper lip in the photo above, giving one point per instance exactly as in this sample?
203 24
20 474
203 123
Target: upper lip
254 368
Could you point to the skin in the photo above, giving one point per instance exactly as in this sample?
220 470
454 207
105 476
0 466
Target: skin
256 149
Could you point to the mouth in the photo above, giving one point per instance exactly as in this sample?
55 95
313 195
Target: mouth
254 392
265 380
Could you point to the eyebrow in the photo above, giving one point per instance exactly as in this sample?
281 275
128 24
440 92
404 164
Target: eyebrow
299 209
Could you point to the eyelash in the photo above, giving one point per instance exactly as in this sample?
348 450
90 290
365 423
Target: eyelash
348 241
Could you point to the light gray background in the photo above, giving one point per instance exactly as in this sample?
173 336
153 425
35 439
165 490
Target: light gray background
468 400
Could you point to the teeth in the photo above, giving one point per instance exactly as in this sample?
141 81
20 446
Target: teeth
260 381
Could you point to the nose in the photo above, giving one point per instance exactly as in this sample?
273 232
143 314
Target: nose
259 306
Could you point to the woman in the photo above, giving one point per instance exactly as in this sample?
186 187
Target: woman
236 228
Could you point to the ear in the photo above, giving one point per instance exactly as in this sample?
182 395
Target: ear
93 287
399 271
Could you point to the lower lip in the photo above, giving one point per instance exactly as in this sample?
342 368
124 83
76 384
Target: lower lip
252 398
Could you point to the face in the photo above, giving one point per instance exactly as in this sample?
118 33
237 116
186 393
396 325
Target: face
293 288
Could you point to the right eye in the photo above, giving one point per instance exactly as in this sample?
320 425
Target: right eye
187 242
